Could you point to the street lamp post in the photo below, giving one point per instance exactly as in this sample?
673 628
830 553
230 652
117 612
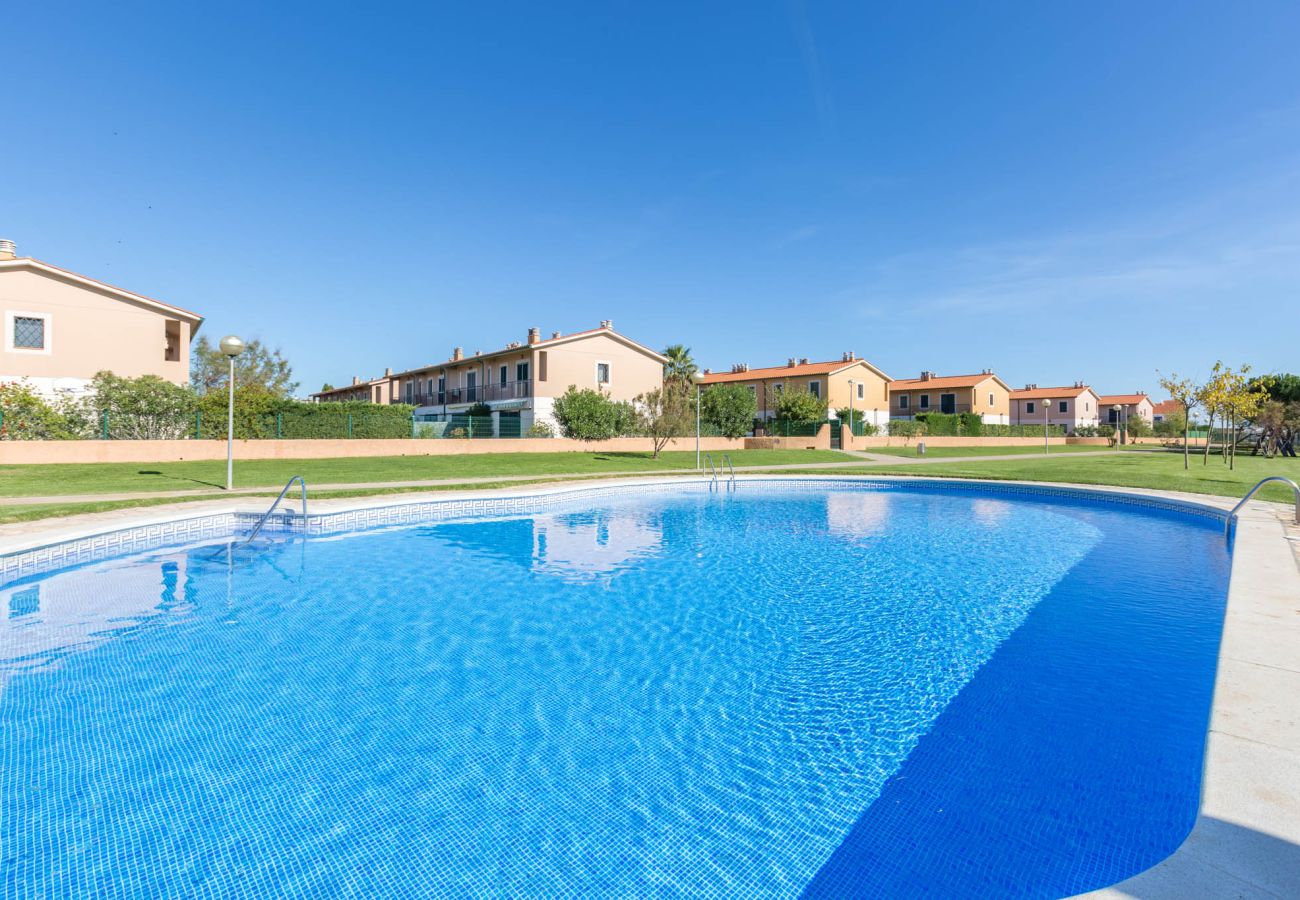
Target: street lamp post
851 390
1115 410
697 378
231 346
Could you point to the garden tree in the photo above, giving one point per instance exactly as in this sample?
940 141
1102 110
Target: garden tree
800 407
730 408
1282 387
665 413
258 366
589 415
326 387
1137 426
147 408
680 366
1187 394
1244 400
1211 398
1173 423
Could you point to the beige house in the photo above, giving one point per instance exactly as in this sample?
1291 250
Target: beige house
60 328
841 383
375 390
1131 406
520 381
984 393
1072 407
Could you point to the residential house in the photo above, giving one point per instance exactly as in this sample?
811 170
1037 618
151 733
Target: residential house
1072 407
374 390
1119 408
519 382
1164 409
61 328
841 383
983 393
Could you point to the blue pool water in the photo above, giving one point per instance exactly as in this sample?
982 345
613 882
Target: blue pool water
829 692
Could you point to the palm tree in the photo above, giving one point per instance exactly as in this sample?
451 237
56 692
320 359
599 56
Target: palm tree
680 367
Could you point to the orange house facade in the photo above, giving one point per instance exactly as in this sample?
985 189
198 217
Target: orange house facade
519 382
984 393
1130 406
1071 407
61 328
848 381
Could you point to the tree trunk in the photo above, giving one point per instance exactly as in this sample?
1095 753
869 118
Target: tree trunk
1187 424
1209 435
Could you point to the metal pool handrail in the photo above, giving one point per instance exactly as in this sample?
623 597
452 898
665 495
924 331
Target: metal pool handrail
1227 525
266 515
713 479
726 458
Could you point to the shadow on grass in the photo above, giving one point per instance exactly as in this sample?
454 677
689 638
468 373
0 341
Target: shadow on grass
180 478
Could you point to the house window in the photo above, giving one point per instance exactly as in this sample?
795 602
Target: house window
1029 407
442 389
815 388
602 373
409 390
990 399
778 389
902 401
502 375
860 394
1063 406
521 371
27 332
925 401
471 386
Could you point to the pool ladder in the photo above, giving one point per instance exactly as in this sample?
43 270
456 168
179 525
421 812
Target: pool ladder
266 515
1227 525
726 460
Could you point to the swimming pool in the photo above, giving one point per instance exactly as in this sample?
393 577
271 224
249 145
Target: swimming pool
797 688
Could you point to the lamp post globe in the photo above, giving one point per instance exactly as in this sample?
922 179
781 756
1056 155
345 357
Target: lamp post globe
231 346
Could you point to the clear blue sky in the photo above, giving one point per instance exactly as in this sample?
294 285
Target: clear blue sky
1056 190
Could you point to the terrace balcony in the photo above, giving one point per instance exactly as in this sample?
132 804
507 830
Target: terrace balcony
483 393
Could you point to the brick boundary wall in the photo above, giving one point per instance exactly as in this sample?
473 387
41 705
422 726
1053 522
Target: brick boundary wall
27 452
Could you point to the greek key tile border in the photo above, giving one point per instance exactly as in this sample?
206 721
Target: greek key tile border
125 541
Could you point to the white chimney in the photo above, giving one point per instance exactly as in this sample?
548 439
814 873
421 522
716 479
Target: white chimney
534 335
556 334
8 249
607 323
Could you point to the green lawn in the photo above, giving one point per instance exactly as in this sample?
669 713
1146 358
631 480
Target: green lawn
944 452
29 512
1157 470
113 478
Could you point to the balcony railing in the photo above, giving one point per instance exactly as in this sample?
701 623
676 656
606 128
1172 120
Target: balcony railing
483 393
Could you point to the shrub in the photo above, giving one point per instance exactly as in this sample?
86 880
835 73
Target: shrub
27 416
939 423
971 424
589 415
147 408
728 408
479 410
459 433
540 430
907 428
800 407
